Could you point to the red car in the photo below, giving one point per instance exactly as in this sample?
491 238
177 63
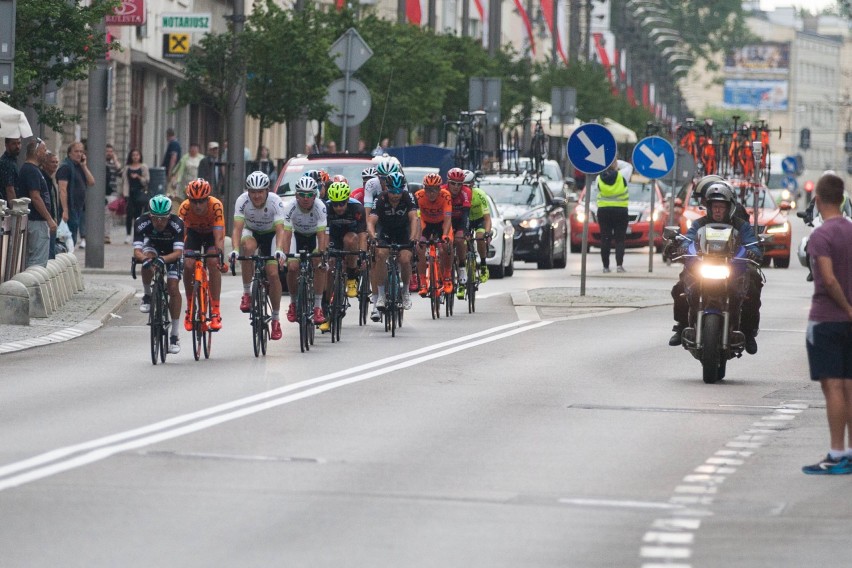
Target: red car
640 215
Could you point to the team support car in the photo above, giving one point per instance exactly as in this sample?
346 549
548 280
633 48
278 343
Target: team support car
773 228
537 216
348 165
641 217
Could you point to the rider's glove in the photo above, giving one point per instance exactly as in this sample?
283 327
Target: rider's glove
279 255
233 256
147 263
753 255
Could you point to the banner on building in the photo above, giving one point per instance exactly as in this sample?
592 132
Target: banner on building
556 29
128 13
756 94
769 57
519 6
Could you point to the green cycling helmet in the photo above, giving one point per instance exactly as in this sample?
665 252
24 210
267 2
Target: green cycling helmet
160 205
338 191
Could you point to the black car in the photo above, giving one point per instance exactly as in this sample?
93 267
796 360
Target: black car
540 219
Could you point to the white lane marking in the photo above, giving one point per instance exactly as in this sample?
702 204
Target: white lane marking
665 552
618 504
108 450
56 454
668 538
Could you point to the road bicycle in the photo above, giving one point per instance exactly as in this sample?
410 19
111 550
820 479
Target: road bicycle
394 288
159 318
200 305
364 290
434 283
471 267
305 299
470 140
538 145
260 312
337 298
450 297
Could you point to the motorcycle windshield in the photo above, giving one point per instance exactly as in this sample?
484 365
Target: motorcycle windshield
716 239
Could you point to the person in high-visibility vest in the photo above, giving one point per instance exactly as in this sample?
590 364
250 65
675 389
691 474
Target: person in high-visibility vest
612 201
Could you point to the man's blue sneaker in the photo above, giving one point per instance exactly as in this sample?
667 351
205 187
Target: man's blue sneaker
829 466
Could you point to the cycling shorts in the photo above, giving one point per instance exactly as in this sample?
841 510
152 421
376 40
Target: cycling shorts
197 242
303 242
264 241
432 231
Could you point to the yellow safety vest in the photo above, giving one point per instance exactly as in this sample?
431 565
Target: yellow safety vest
613 195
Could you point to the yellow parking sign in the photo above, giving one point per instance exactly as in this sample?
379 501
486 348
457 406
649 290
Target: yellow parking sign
175 46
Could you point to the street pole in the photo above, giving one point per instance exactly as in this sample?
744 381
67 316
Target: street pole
674 185
96 160
237 123
585 244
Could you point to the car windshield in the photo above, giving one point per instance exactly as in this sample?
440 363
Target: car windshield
515 193
351 171
640 191
551 168
764 199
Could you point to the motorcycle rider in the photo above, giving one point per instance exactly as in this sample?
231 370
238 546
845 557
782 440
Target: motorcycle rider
721 204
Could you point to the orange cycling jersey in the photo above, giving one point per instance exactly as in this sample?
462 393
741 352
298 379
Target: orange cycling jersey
433 212
212 218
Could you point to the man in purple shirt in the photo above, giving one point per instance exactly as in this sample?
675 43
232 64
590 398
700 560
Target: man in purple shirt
829 336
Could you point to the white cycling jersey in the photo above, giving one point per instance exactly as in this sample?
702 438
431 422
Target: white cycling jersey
372 191
308 222
262 220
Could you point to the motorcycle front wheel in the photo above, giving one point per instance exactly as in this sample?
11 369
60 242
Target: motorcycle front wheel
711 348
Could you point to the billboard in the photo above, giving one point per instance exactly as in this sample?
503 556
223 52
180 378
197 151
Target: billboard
128 13
756 94
769 57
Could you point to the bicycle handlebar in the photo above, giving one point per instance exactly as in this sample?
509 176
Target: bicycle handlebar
254 257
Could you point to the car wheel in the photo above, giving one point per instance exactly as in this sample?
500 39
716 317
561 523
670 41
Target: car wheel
547 260
781 262
562 261
510 268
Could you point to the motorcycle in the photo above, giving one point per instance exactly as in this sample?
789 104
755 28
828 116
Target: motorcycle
716 287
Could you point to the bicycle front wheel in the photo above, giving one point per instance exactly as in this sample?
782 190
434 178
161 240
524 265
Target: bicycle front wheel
197 323
208 333
154 325
256 318
266 317
471 285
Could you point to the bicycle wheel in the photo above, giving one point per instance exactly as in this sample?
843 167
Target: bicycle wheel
256 318
392 299
165 325
154 324
197 333
340 296
266 316
304 318
471 283
450 298
208 333
363 296
435 289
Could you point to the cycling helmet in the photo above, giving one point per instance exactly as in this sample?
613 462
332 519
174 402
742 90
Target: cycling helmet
338 191
306 184
705 182
257 181
315 175
324 176
160 205
369 172
432 180
396 182
456 174
387 167
339 178
469 176
721 191
198 189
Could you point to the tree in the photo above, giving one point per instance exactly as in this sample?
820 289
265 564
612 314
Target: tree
288 65
56 42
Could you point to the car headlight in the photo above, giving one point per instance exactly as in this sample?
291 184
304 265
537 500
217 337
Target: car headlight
533 223
715 271
785 194
581 216
778 229
656 215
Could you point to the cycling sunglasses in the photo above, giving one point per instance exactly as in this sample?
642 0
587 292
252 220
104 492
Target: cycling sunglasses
432 188
305 194
199 201
394 191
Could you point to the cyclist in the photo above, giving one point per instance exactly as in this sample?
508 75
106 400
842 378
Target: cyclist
436 209
204 219
367 174
158 234
306 220
258 221
480 222
393 220
461 196
347 229
378 185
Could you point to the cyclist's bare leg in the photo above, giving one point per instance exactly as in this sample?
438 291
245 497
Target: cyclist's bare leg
293 278
350 243
188 279
405 266
175 299
248 247
461 247
381 275
274 286
481 245
215 277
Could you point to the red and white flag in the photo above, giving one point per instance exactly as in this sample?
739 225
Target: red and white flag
415 11
482 9
525 17
555 31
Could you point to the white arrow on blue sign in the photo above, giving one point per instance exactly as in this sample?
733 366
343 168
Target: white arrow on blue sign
653 157
591 148
788 165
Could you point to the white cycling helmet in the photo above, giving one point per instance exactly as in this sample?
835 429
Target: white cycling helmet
307 184
469 177
257 180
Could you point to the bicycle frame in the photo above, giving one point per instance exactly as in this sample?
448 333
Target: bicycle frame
305 299
393 287
259 314
199 304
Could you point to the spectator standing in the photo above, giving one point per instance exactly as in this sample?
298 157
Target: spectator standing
49 165
612 200
134 188
829 334
113 170
40 223
185 171
210 169
72 178
9 170
173 152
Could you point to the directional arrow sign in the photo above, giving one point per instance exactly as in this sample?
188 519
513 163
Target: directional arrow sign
653 157
788 164
591 148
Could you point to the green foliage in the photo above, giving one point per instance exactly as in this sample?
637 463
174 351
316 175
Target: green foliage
56 41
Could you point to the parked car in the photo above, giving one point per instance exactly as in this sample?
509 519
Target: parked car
772 224
639 213
347 165
538 217
500 254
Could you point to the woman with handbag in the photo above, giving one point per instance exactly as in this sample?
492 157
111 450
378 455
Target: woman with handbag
134 189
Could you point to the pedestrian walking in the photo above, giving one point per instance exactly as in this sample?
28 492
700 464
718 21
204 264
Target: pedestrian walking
612 200
72 178
829 334
134 187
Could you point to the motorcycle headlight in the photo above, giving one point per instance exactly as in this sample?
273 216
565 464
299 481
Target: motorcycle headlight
581 216
533 223
715 271
778 229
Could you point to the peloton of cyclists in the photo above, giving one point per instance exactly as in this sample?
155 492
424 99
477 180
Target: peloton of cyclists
258 221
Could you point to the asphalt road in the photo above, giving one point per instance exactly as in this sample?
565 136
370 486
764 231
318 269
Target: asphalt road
516 436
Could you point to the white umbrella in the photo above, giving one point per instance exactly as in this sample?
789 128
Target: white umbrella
13 123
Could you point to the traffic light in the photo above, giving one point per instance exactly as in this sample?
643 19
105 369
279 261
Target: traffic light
805 138
809 186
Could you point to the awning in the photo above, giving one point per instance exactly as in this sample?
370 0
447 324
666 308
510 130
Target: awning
622 134
13 123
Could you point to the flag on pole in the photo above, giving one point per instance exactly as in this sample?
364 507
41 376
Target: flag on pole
414 10
547 11
525 17
483 17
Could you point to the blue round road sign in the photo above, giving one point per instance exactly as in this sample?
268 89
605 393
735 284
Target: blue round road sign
591 148
788 165
653 157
